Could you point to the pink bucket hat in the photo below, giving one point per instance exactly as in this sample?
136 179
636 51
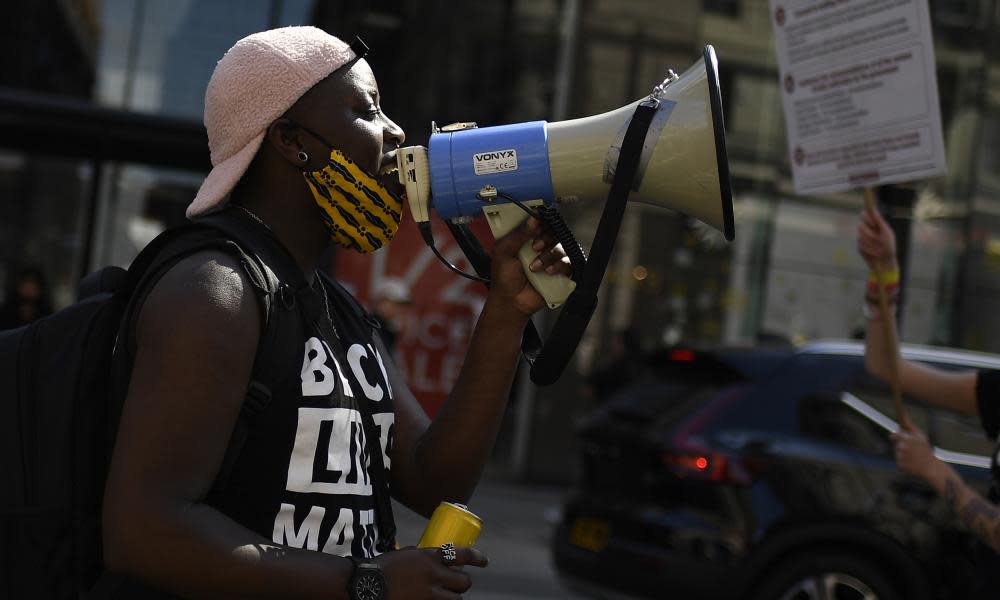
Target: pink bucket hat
256 81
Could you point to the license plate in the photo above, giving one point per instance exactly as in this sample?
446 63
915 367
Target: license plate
590 534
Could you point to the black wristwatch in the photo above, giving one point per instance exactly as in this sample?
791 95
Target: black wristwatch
367 581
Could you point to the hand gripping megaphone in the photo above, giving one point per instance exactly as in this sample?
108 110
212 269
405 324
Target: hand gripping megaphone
667 149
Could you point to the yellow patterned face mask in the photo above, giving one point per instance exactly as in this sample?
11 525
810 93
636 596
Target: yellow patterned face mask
359 212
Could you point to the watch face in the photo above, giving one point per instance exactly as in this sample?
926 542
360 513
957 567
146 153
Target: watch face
369 586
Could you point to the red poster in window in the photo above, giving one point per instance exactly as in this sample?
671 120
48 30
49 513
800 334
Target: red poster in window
435 326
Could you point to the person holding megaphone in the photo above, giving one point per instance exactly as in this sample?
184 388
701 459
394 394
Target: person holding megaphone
303 158
968 392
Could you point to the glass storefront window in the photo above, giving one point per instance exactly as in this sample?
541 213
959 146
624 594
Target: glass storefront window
137 202
755 125
815 279
42 219
158 56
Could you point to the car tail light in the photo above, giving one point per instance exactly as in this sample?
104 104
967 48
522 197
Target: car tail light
682 355
688 455
684 464
710 466
691 457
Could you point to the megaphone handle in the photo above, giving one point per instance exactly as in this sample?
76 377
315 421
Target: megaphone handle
479 258
502 218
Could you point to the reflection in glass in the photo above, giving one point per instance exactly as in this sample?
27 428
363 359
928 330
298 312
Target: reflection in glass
42 219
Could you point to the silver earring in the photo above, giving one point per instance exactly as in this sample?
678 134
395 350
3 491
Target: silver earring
303 156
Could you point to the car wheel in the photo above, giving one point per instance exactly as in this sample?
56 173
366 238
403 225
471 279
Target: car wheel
826 576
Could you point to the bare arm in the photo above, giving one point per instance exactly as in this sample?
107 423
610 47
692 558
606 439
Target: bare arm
197 336
952 390
444 460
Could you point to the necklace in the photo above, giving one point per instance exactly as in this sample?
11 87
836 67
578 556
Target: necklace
326 304
316 279
252 215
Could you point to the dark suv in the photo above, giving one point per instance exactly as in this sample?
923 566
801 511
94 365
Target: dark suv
767 474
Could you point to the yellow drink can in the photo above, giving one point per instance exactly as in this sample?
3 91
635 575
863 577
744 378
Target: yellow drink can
451 523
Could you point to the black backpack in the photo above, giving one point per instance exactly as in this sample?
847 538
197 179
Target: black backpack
63 387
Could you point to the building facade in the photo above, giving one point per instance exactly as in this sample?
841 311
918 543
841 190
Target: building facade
102 148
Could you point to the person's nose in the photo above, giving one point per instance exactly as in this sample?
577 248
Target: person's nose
393 134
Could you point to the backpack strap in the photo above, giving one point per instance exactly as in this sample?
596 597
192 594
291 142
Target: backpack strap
291 288
165 251
285 289
131 288
176 244
259 241
278 296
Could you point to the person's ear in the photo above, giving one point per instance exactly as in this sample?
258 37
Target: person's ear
287 139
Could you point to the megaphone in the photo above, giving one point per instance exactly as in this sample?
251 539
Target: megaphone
505 172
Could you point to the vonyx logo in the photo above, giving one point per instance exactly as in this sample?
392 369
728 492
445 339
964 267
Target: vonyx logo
496 161
497 155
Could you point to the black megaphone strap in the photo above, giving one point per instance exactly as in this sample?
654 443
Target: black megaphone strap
579 307
548 360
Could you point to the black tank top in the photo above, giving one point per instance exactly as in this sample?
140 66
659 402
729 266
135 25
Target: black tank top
303 476
988 403
986 581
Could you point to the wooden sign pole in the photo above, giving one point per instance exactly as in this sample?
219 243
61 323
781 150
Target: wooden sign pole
889 329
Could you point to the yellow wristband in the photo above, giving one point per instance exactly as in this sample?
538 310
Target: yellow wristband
888 278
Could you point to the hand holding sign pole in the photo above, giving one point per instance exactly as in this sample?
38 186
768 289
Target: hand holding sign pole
860 109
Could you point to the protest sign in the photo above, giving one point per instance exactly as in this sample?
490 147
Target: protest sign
860 92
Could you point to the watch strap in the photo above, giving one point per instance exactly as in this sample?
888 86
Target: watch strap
358 569
355 562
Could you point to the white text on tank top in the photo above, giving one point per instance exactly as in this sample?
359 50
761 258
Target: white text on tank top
332 441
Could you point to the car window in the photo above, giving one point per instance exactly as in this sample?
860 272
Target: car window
948 430
824 416
877 394
959 433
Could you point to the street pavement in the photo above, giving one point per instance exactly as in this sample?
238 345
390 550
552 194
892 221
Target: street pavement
518 521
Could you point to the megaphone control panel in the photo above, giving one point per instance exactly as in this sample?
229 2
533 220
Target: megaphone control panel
414 174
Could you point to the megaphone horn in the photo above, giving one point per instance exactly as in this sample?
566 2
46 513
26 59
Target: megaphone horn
676 159
683 165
